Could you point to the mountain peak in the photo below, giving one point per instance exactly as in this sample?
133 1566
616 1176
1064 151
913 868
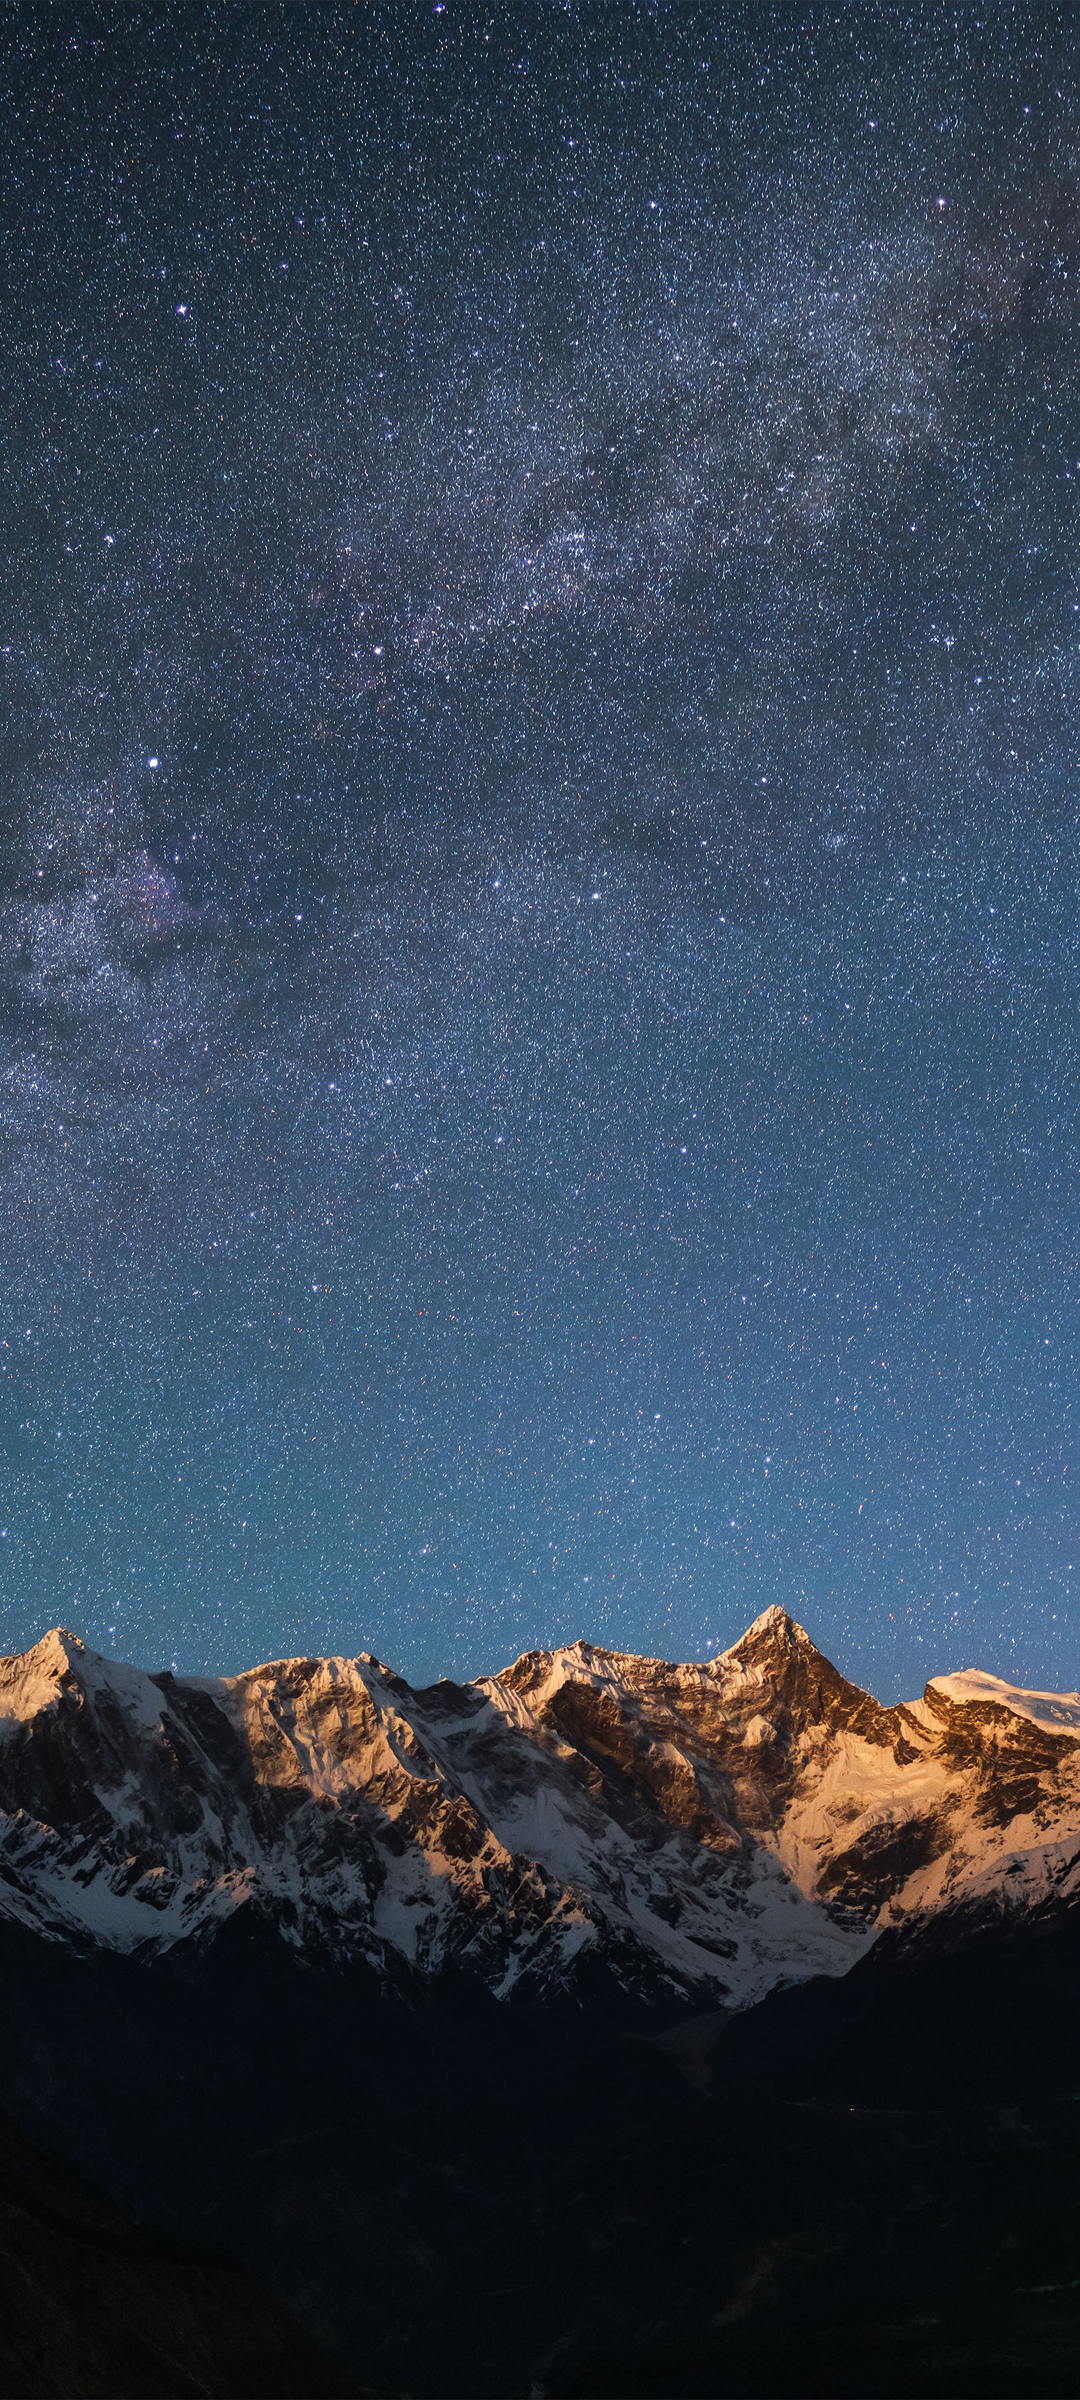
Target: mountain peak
1054 1712
56 1652
62 1643
777 1620
29 1679
58 1643
775 1630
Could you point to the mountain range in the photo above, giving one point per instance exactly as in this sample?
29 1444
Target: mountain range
704 1833
602 2026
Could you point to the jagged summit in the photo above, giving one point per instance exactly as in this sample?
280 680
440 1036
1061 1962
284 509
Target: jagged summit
776 1620
31 1678
58 1645
774 1629
774 1638
578 1653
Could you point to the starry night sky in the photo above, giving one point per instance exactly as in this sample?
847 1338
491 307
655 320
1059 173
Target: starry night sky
540 651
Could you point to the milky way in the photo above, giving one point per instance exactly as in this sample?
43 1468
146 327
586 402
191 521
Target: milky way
538 854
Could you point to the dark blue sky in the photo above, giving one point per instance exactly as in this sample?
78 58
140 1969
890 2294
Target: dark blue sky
538 834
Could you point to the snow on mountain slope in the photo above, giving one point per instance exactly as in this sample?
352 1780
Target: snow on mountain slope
705 1830
1058 1712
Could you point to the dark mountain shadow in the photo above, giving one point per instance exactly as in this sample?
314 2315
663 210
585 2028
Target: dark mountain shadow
868 2185
96 2307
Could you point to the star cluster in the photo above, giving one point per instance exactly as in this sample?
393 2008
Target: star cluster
538 833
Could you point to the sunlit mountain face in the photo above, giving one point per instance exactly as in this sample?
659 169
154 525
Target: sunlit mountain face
630 1837
537 1025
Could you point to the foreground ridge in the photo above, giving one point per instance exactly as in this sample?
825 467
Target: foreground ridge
703 1830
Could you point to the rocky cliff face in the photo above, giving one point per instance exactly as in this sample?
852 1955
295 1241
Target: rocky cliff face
700 1831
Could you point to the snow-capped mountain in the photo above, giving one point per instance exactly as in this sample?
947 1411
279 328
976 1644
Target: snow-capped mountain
708 1830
